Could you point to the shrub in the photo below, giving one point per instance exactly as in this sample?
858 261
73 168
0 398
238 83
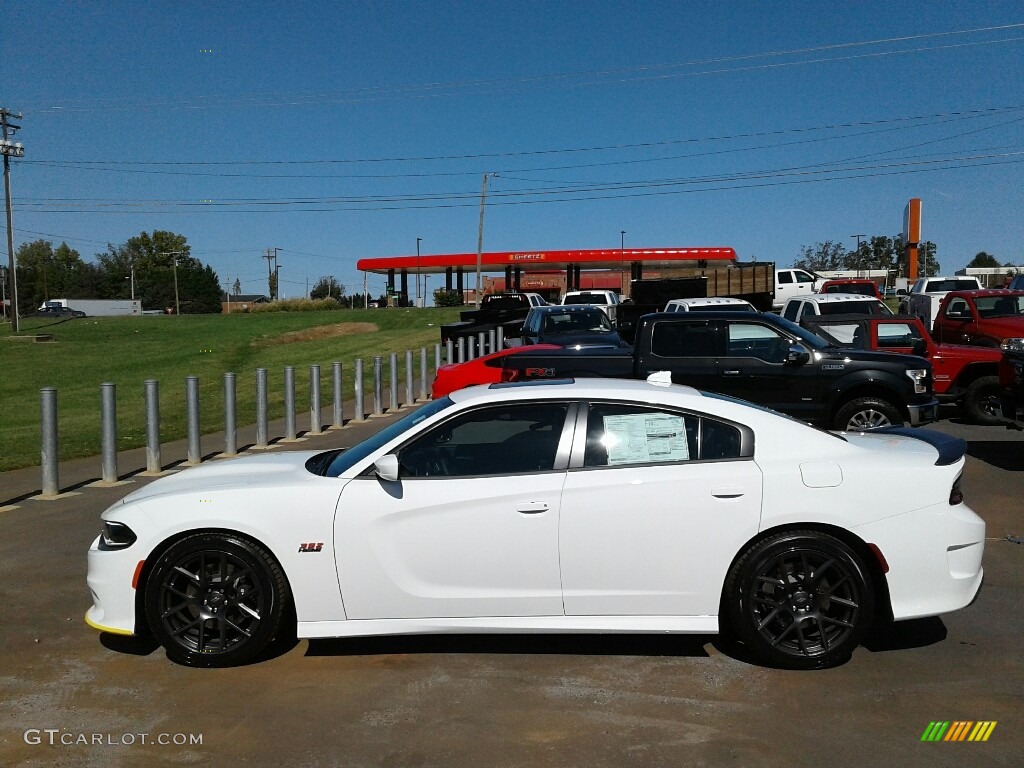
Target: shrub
297 305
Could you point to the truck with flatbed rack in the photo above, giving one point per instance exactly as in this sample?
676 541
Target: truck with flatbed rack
761 358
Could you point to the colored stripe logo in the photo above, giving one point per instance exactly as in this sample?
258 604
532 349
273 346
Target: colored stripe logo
959 730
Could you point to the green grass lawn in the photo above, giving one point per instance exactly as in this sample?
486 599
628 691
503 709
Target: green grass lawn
129 350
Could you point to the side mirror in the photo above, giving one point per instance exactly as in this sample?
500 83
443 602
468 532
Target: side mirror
797 355
901 291
386 467
919 347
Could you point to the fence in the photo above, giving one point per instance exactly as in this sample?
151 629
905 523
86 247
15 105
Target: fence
49 453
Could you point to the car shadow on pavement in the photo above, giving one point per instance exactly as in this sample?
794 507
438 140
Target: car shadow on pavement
1005 454
903 635
582 645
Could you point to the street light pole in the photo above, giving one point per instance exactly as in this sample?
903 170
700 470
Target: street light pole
10 149
418 239
174 256
859 259
622 261
480 237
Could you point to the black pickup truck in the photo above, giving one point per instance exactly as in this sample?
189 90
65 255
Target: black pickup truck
497 310
761 358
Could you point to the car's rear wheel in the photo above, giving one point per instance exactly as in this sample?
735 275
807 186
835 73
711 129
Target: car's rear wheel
215 600
981 401
799 600
867 413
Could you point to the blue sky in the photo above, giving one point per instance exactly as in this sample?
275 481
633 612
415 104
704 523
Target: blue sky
341 130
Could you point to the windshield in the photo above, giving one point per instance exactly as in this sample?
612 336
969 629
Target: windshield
585 298
868 307
808 338
594 321
346 459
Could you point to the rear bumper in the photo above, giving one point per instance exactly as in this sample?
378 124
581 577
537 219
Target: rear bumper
923 413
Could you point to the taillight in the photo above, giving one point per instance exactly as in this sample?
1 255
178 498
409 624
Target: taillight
509 374
956 496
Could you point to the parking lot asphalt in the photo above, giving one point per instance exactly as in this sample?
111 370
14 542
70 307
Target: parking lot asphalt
71 696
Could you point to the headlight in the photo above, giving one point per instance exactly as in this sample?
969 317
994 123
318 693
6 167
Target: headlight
1012 345
116 536
920 377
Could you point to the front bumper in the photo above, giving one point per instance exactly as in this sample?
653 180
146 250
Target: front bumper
923 413
110 584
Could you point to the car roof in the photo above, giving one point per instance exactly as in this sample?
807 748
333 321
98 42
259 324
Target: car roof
831 298
563 308
709 300
981 293
598 388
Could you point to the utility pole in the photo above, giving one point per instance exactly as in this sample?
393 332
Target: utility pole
174 255
859 259
622 261
480 237
271 253
10 149
418 239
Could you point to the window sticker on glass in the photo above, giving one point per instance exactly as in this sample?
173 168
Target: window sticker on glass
635 438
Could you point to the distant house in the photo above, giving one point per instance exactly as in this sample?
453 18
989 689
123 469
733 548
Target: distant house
241 302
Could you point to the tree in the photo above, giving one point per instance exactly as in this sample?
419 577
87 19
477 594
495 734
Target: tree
927 264
237 288
446 298
877 252
984 260
272 286
823 257
327 287
45 273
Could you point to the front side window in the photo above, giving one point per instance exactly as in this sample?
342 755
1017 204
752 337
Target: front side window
496 440
897 335
958 308
760 341
620 434
785 277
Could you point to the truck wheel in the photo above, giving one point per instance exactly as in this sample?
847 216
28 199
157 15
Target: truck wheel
866 413
981 401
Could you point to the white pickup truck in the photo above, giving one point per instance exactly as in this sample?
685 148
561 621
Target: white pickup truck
925 295
794 282
608 301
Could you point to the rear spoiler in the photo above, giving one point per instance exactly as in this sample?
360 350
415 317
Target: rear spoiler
951 449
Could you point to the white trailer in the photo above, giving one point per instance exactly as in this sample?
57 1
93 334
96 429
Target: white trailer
98 307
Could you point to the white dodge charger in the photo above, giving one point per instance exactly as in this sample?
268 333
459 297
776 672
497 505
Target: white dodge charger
589 506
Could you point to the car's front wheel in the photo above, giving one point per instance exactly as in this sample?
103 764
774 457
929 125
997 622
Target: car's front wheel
866 413
981 401
215 600
799 600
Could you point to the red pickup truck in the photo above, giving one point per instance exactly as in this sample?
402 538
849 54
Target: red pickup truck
984 318
963 374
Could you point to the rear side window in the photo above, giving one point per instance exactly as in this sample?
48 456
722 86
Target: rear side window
675 339
620 435
897 335
792 310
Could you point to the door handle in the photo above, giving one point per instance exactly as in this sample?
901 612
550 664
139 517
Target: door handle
731 372
727 492
533 507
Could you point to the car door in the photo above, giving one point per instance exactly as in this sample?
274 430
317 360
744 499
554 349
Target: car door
688 347
754 368
655 507
470 528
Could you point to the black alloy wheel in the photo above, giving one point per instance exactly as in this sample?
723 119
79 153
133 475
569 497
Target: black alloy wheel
215 600
800 600
981 401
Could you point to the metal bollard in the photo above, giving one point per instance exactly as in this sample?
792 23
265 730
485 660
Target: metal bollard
108 408
378 399
437 356
408 377
339 416
393 370
230 421
262 438
492 340
50 461
449 353
360 414
195 453
423 373
289 403
315 425
462 350
481 344
153 463
500 339
470 348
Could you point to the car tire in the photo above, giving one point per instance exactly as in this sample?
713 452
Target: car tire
981 401
799 600
215 600
867 413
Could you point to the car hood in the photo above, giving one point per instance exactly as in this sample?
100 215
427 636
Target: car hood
270 470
